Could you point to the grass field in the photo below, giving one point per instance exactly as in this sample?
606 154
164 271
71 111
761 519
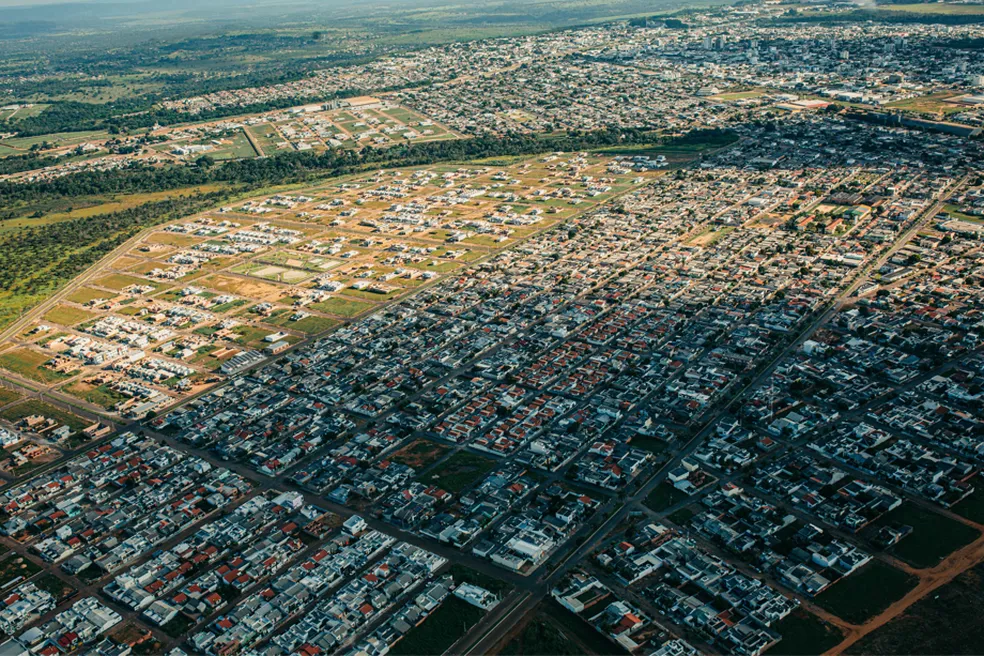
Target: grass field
100 395
234 147
66 315
804 634
56 140
972 507
442 628
419 454
83 295
937 8
461 471
311 325
464 574
864 594
30 364
118 281
590 639
34 407
8 396
540 636
740 95
15 567
932 104
664 496
933 537
342 307
947 621
92 205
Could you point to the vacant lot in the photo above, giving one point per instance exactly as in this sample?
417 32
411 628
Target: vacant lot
15 567
803 633
947 621
101 395
936 8
972 507
464 574
30 364
862 595
460 471
34 407
8 396
541 636
118 281
419 454
440 630
66 315
342 307
933 537
665 496
83 295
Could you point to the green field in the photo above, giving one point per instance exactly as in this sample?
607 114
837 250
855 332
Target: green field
664 496
100 395
56 140
804 634
83 295
946 621
311 325
972 507
419 454
442 628
937 8
933 537
539 637
34 407
342 307
8 396
864 594
30 364
238 147
461 471
67 315
118 281
15 566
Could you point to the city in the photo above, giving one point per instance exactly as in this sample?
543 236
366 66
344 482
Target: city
709 383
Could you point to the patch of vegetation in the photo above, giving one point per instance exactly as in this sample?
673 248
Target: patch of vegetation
933 537
8 396
442 628
179 626
465 574
101 395
34 407
16 566
30 364
947 621
461 471
972 507
541 637
53 586
66 315
35 262
805 634
664 496
342 307
864 594
419 454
